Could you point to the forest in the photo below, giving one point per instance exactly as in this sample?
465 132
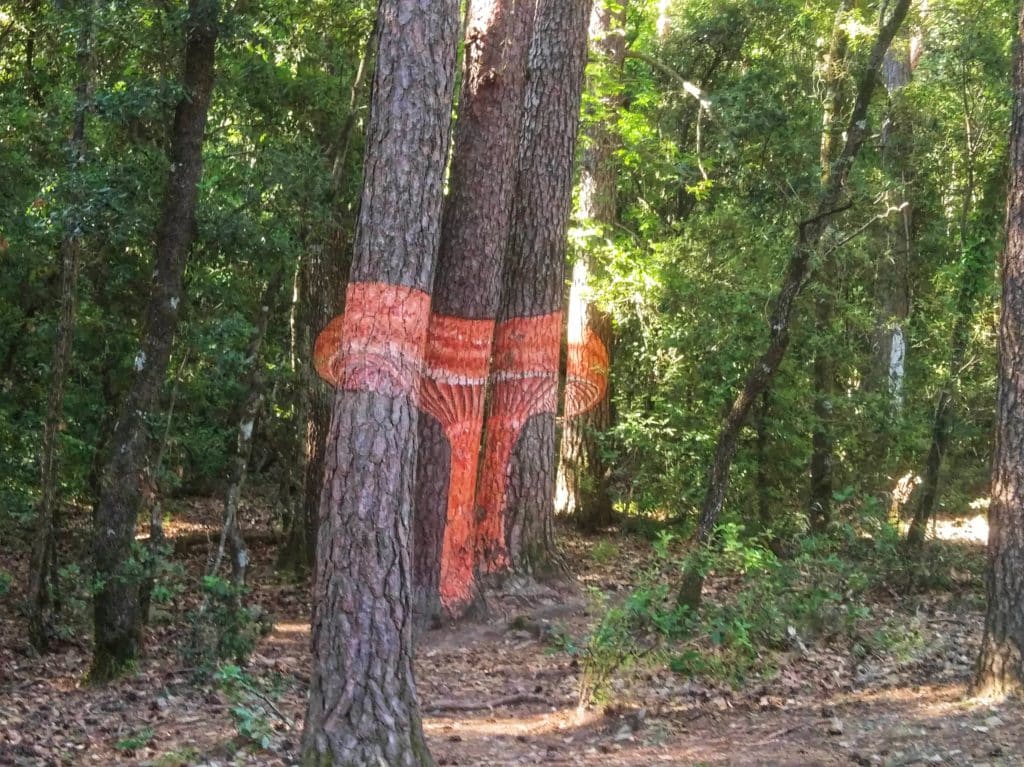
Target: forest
405 383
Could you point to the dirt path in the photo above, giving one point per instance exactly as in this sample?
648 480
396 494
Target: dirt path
819 709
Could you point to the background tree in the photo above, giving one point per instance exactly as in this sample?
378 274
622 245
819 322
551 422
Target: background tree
43 585
118 632
809 233
583 490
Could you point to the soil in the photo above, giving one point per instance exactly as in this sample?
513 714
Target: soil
504 690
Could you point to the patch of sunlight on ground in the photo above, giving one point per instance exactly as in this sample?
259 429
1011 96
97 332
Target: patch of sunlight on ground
178 529
487 724
964 530
292 628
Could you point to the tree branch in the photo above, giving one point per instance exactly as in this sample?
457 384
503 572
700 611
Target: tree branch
665 69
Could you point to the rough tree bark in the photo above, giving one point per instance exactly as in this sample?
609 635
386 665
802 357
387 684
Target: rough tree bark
809 232
43 599
582 490
517 482
819 508
363 708
117 619
1000 668
474 232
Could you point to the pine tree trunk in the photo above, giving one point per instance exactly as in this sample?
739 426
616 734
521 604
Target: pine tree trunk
117 618
363 707
43 597
809 233
583 491
1001 662
517 482
474 233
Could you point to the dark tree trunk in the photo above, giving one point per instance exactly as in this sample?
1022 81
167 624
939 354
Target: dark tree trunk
583 491
819 508
363 707
977 263
474 233
517 483
809 233
1001 662
321 280
117 619
43 597
320 297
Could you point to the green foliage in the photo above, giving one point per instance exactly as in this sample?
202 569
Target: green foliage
252 704
604 552
223 628
138 739
822 592
5 583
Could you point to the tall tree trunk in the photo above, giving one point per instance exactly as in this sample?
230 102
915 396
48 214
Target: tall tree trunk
582 490
363 708
809 233
43 598
822 459
474 233
1000 668
517 483
117 619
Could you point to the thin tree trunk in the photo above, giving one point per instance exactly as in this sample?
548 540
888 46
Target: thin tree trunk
43 597
893 284
363 707
474 233
517 483
764 510
231 534
1000 668
117 619
809 233
977 262
583 491
893 280
822 459
153 498
976 266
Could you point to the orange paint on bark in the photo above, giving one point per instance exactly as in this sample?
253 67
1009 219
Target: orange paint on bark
455 375
378 344
525 377
586 374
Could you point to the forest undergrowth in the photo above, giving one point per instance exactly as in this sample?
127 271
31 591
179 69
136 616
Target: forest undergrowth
823 652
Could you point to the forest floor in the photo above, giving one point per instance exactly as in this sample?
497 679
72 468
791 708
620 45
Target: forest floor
503 692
